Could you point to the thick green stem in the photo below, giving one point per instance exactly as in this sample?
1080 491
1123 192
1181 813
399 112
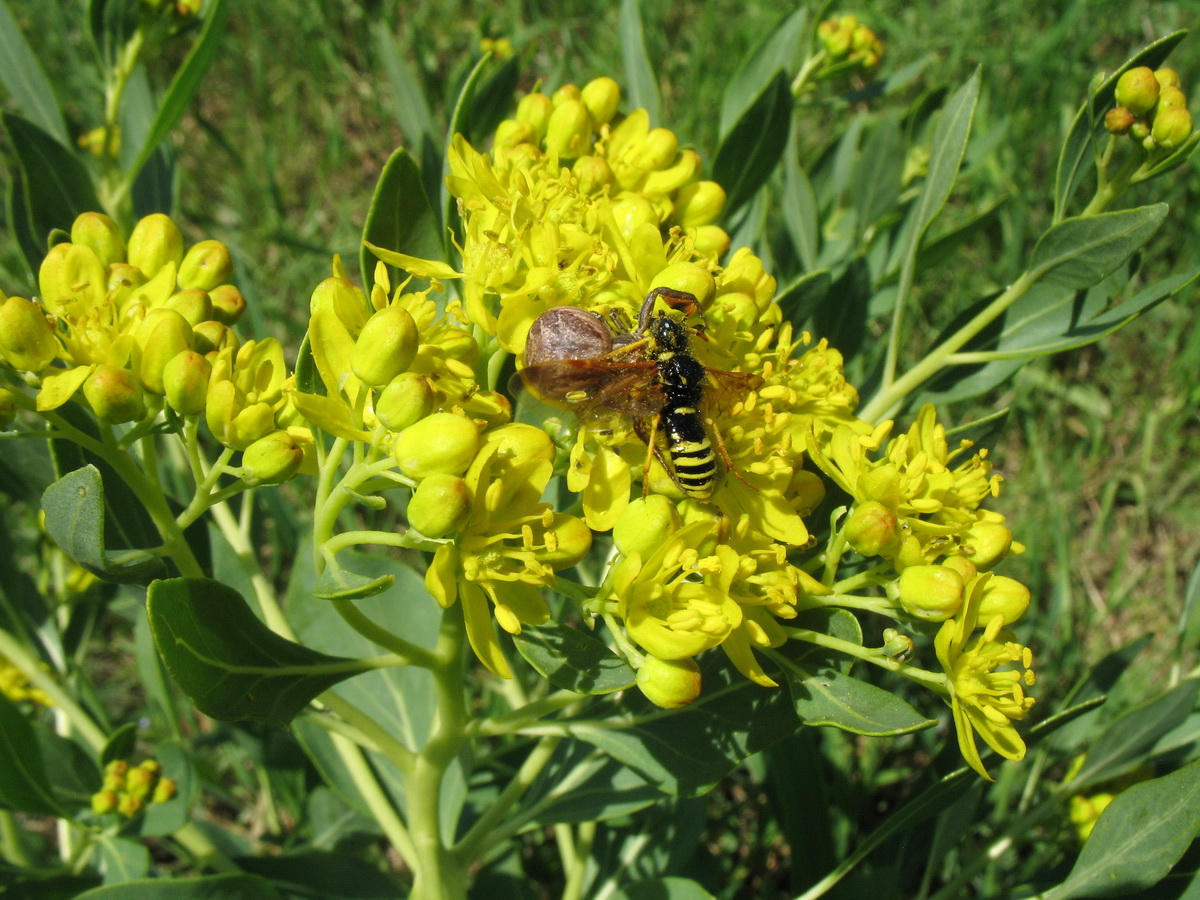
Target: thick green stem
439 873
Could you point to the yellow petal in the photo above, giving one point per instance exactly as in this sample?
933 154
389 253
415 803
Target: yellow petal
481 632
415 265
58 388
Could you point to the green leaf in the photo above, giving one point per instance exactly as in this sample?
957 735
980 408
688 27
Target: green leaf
1076 253
123 859
167 818
581 784
26 82
493 100
1138 838
1075 159
459 124
775 52
950 137
800 299
229 663
75 514
120 744
55 184
825 696
24 785
671 888
400 218
211 887
185 83
154 187
71 767
800 212
687 752
748 155
877 173
329 875
641 86
20 218
339 583
409 104
1126 740
573 659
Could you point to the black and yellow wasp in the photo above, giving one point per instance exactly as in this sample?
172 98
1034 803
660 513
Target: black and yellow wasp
573 358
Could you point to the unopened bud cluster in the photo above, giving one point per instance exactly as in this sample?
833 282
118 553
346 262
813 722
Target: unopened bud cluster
143 327
846 39
1151 108
127 789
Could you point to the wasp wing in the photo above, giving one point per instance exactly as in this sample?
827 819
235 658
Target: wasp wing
592 386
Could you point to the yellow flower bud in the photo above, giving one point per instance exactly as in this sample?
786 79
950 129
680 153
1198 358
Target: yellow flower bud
123 280
138 781
569 133
164 790
931 593
194 305
987 543
962 566
212 336
228 304
632 211
910 553
687 277
872 529
155 242
1118 120
711 241
442 443
440 505
565 94
699 203
897 645
1005 597
657 149
1137 90
880 483
683 171
272 459
511 132
114 395
407 399
1139 130
205 266
594 174
645 525
601 96
519 443
1167 77
8 408
129 805
386 346
163 335
26 340
101 234
670 684
567 542
1171 127
104 802
1169 98
185 382
535 109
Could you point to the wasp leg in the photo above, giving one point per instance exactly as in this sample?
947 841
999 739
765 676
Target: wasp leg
680 301
716 432
650 439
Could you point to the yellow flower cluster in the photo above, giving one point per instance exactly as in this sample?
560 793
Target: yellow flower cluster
127 788
140 328
14 684
846 39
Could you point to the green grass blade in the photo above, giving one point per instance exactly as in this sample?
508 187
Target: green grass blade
641 86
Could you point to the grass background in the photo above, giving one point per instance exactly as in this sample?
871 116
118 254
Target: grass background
280 153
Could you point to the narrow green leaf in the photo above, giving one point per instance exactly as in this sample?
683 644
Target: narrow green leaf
1189 618
120 744
641 85
339 583
24 785
777 50
825 696
185 83
401 217
749 153
493 101
328 875
458 125
409 104
20 218
75 520
166 818
153 188
227 661
1076 253
210 887
1075 157
1138 838
800 211
581 784
878 173
56 186
26 82
573 659
799 299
